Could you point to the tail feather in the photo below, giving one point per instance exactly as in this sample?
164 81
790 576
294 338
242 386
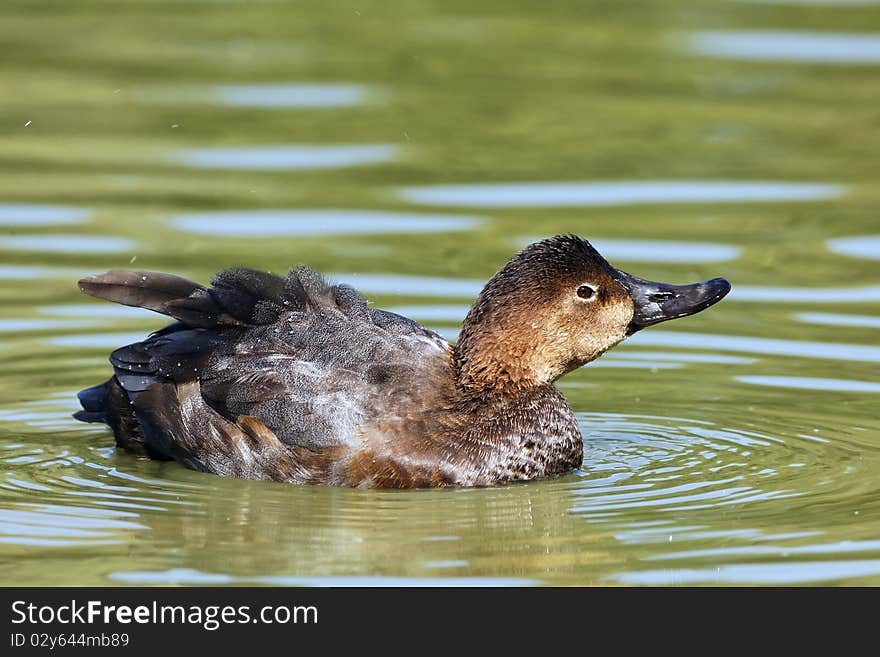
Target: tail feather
94 403
139 288
94 399
90 418
238 296
164 293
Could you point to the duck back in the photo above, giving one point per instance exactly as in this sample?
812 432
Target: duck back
304 360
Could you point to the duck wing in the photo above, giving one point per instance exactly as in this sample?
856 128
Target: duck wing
308 361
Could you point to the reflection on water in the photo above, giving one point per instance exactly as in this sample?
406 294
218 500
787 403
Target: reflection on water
634 192
97 340
19 214
267 95
738 446
97 310
802 349
67 243
788 551
867 246
278 223
450 335
394 284
650 482
679 357
292 95
654 483
805 572
438 313
16 324
811 47
857 294
196 578
24 272
280 158
614 364
834 319
659 250
50 525
808 383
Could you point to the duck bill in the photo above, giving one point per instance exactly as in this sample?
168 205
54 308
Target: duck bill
659 302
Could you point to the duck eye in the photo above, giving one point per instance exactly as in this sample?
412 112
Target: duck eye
586 292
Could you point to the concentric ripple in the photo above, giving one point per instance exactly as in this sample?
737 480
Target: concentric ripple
654 462
745 503
729 502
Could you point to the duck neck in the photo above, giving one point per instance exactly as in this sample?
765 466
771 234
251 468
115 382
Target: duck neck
486 364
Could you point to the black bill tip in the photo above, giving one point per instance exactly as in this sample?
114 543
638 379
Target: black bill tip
659 302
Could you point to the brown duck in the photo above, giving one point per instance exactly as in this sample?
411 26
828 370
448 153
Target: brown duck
293 379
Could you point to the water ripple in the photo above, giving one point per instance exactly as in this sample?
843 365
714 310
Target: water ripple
192 577
279 223
805 572
811 383
629 192
790 46
770 346
282 158
867 246
68 243
835 319
292 96
662 251
20 214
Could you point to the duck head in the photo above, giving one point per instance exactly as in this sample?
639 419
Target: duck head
558 305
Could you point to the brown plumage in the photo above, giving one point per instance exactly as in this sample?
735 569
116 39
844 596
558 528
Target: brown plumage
292 379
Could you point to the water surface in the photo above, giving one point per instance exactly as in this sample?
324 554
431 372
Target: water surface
741 446
585 194
23 214
287 157
302 96
281 223
809 47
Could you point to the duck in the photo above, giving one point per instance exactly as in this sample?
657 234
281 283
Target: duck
295 379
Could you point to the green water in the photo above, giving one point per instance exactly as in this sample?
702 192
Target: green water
741 446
